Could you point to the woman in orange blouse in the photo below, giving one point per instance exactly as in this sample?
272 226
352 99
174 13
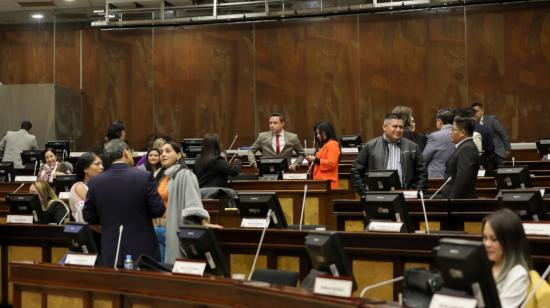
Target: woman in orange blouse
327 157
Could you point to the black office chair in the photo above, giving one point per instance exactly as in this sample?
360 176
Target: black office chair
282 278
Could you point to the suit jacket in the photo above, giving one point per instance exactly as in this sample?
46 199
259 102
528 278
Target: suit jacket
438 150
327 167
14 143
124 196
263 144
374 156
216 171
462 167
500 136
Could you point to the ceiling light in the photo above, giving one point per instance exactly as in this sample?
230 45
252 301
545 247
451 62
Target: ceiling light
37 16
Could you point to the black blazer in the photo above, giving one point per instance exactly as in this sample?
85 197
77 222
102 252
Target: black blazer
462 166
216 172
55 213
124 196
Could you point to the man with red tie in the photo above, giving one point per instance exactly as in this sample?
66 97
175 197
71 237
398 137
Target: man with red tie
277 143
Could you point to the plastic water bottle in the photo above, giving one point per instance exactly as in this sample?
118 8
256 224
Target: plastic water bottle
128 263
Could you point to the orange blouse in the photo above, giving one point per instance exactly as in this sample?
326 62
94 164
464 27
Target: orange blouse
163 192
329 156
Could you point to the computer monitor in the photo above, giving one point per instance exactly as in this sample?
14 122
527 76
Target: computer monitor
81 238
327 258
351 141
26 204
63 183
274 167
528 204
382 180
62 148
513 177
466 270
543 147
7 172
32 157
200 243
192 147
257 204
387 206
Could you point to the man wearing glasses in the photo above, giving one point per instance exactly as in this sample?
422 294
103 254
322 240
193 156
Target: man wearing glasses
463 165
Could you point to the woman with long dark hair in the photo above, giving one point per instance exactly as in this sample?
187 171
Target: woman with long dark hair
327 157
211 167
52 166
152 163
88 166
508 249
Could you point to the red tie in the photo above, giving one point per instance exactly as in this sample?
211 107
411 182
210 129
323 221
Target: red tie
277 145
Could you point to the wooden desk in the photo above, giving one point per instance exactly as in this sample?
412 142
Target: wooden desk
290 194
57 285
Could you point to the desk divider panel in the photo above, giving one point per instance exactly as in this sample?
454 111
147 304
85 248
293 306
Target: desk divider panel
354 225
311 211
241 263
31 299
472 227
22 253
58 253
343 184
287 263
287 204
371 272
434 225
410 265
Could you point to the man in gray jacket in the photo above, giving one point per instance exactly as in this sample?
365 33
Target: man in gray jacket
439 146
501 140
14 143
391 151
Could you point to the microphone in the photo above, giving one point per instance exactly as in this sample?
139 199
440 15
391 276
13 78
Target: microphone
379 284
232 157
424 210
532 293
310 167
513 161
35 167
120 229
18 188
268 220
65 216
303 207
440 188
233 143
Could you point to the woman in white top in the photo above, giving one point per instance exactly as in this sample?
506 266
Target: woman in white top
88 165
507 248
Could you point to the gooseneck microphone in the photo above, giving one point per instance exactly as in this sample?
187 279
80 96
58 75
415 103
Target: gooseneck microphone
268 220
440 188
303 207
120 229
424 211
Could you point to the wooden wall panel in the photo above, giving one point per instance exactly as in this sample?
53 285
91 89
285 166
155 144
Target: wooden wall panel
26 54
118 84
67 56
412 59
509 67
309 71
204 82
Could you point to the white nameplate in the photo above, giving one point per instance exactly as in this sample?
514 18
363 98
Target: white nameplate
26 178
64 195
333 287
80 259
350 150
19 219
536 229
481 173
410 194
189 268
447 301
548 157
542 192
294 176
384 226
254 223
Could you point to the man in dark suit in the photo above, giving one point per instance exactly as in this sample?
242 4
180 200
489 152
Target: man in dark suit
463 165
439 146
123 196
501 140
277 143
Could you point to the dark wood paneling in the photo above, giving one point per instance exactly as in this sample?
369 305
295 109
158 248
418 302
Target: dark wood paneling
67 57
509 67
118 84
309 71
26 54
204 82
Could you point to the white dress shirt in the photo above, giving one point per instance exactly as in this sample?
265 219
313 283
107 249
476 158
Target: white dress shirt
281 141
513 288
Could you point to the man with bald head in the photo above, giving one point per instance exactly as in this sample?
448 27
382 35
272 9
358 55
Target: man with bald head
392 152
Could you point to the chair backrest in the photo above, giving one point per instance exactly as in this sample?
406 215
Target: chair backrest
277 277
542 295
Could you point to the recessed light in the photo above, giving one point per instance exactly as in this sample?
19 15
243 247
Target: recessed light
37 16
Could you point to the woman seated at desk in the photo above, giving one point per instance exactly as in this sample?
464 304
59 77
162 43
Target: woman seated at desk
55 210
327 157
507 247
211 167
88 166
52 167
